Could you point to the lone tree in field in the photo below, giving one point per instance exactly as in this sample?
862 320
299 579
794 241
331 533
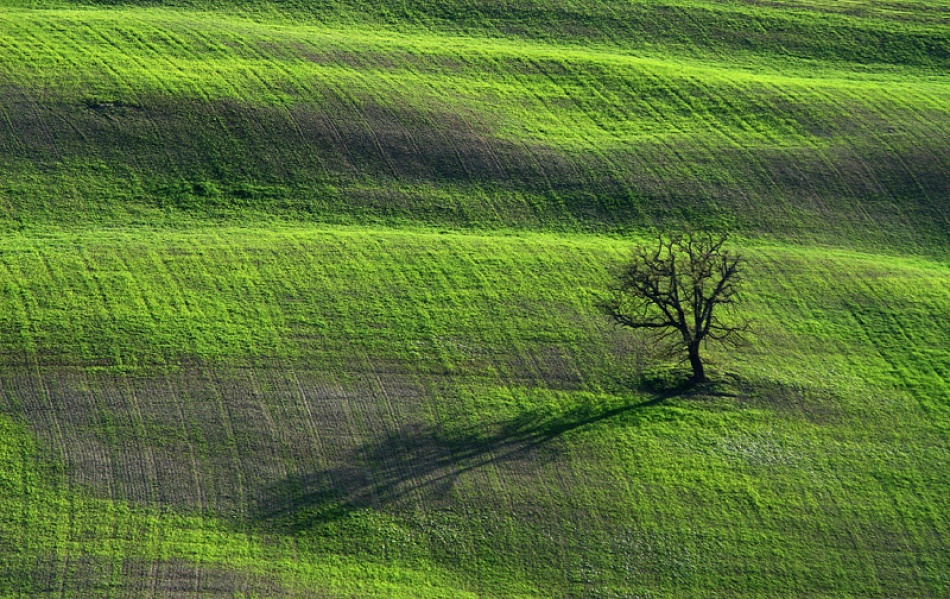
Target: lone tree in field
673 287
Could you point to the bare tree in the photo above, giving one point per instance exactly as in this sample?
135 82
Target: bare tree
672 288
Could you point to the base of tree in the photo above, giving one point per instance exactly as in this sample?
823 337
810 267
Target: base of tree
666 379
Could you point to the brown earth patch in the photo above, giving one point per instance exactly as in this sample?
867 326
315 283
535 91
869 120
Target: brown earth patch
267 442
94 576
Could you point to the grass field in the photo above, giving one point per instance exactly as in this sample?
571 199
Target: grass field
300 300
155 115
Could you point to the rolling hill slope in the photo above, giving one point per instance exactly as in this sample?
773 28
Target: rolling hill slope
300 299
152 115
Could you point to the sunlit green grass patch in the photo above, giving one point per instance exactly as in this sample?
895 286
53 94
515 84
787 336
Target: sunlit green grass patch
301 300
162 115
47 526
496 428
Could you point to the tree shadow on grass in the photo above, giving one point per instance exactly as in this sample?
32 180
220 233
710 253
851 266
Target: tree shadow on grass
420 464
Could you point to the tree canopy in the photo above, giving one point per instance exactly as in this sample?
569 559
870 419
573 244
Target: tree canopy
673 288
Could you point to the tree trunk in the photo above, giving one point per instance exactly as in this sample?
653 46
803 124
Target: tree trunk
699 371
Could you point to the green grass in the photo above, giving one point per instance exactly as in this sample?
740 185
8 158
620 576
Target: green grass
47 526
404 426
300 299
157 115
